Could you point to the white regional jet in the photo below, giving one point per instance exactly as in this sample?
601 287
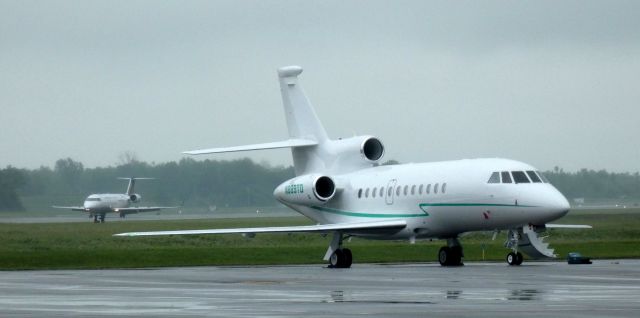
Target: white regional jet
98 205
340 187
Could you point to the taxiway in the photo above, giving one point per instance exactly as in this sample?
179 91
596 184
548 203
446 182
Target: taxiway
608 288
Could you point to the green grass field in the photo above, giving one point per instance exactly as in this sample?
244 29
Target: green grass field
616 234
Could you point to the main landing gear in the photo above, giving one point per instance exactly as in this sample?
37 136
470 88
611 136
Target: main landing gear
95 218
451 255
337 256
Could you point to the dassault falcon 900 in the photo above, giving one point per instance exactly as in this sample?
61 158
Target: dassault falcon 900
98 205
340 186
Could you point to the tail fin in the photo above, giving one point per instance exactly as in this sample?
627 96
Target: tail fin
302 121
306 134
132 184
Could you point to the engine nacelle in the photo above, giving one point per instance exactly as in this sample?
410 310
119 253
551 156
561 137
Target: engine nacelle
311 189
135 197
354 153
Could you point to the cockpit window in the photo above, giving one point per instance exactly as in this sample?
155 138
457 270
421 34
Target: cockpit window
506 177
544 179
495 178
534 177
520 177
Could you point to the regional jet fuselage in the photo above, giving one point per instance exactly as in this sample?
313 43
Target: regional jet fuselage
98 205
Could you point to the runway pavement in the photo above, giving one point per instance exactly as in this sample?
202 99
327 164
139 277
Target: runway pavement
608 288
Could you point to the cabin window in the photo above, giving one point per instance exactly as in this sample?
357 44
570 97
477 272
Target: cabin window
398 190
413 189
495 178
381 192
366 193
444 187
373 192
92 199
520 177
390 191
406 190
420 189
506 177
533 176
435 189
359 193
544 179
428 190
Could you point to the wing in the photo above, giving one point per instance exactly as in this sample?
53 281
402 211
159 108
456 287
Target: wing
270 145
360 227
143 209
568 226
73 208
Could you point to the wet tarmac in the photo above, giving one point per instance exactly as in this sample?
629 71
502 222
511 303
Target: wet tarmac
608 288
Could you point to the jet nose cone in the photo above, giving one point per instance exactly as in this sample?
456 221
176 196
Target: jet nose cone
558 205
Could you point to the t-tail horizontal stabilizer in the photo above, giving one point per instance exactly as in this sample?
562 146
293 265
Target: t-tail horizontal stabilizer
291 143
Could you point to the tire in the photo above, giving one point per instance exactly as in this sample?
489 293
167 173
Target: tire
512 258
348 258
519 258
444 256
337 259
456 256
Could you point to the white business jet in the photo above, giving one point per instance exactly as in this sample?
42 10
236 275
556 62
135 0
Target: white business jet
98 205
339 186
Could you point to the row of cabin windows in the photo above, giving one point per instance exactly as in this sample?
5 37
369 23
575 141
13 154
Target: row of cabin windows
406 190
529 176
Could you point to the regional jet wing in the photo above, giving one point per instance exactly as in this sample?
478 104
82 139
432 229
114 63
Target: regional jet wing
270 145
72 208
142 209
359 227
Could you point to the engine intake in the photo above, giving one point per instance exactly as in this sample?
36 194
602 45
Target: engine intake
311 189
372 149
135 197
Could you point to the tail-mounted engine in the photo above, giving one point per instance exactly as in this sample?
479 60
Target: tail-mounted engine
311 189
354 153
135 197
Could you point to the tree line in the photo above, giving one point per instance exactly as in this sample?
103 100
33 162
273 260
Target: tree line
234 183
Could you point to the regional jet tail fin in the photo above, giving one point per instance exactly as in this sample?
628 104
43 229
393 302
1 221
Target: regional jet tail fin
132 183
359 227
291 143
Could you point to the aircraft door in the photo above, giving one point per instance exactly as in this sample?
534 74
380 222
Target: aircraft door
390 191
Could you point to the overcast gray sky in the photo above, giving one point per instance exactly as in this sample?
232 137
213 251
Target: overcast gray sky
551 83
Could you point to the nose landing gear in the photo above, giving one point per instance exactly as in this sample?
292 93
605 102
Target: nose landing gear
514 258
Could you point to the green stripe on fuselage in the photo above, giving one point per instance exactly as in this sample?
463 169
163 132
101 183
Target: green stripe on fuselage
477 204
370 215
422 206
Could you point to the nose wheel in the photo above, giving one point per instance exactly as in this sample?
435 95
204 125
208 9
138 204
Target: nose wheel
515 259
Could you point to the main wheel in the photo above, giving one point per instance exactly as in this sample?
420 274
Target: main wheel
337 259
456 256
348 258
444 255
512 258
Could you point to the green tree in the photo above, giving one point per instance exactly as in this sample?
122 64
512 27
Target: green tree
11 179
